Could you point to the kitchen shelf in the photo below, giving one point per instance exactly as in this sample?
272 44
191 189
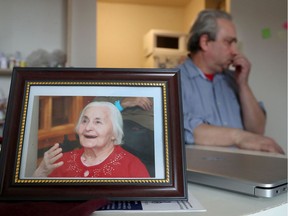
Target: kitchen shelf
5 72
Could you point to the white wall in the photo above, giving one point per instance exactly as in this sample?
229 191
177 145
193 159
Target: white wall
268 56
28 25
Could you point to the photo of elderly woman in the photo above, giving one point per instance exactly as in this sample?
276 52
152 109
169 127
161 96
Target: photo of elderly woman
100 132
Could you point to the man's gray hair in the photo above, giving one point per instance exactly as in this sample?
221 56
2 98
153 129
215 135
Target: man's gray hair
205 24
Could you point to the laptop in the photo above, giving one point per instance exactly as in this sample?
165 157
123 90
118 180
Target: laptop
255 175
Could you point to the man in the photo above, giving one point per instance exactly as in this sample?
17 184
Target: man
218 104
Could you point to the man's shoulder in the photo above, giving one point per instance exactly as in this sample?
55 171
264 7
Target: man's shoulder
188 69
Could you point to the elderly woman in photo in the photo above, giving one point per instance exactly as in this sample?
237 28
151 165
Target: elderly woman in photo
100 134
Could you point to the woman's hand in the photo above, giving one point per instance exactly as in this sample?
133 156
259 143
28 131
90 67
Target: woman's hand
48 164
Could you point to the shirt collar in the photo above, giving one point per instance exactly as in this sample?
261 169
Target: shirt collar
194 71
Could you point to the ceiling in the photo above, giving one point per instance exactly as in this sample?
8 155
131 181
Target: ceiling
175 3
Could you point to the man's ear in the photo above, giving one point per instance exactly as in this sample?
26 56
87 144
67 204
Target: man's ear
203 42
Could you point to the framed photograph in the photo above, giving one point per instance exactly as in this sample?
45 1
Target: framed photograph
88 133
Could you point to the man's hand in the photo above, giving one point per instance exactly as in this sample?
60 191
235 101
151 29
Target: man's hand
143 102
257 142
211 135
242 66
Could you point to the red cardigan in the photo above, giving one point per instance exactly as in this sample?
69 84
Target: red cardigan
119 164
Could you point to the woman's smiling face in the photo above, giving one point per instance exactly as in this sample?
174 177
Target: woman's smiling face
95 129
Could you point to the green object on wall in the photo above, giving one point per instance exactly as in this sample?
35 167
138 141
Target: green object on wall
266 33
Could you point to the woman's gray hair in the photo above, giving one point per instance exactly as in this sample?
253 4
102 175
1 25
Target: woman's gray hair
205 24
114 114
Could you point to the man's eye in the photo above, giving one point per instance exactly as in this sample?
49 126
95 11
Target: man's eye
231 41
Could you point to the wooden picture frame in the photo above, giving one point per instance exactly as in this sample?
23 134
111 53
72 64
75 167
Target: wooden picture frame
44 104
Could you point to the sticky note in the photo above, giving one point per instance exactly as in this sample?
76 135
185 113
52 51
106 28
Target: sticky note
266 33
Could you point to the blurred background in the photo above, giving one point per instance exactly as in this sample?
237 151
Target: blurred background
123 33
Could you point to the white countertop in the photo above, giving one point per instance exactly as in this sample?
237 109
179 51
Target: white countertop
218 202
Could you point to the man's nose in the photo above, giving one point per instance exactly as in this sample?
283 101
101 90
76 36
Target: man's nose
235 49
